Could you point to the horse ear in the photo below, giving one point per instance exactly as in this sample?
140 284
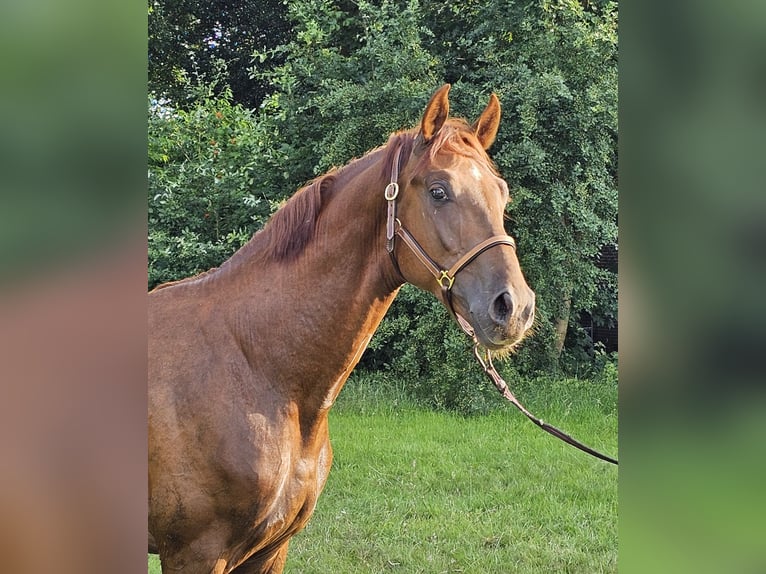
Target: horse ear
436 113
488 123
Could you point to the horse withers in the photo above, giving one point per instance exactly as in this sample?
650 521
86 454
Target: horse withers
246 360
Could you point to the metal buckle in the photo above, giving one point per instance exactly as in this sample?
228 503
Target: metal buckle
392 190
450 280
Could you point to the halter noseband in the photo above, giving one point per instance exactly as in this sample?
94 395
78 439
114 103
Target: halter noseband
446 278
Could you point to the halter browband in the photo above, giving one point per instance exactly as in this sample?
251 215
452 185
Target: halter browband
446 278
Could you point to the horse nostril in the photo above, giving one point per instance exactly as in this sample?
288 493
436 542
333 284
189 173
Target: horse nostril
528 313
502 308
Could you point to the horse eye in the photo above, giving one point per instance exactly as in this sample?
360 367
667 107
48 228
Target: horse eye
438 193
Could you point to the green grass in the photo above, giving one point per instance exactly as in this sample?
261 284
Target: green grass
413 490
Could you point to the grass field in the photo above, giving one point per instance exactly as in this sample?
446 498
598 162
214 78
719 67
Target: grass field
413 490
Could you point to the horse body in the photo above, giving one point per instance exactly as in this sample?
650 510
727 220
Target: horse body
246 360
271 397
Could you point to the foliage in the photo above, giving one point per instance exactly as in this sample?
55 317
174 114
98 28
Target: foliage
418 342
338 65
553 63
189 40
208 189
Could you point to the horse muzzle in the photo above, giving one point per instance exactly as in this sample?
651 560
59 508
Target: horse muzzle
503 321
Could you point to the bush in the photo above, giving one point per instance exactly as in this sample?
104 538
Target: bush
211 185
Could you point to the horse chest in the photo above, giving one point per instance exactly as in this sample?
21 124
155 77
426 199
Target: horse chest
292 504
286 478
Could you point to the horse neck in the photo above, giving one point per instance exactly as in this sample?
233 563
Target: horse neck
320 309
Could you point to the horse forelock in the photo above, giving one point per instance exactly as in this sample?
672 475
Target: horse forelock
458 137
455 137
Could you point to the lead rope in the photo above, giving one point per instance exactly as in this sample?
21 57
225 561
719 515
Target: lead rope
445 280
502 386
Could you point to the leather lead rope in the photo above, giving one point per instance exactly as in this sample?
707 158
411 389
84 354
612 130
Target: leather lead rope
502 386
445 278
505 390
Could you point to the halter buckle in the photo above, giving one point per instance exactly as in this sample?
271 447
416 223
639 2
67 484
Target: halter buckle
392 190
450 280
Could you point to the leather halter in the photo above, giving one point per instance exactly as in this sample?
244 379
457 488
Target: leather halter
446 278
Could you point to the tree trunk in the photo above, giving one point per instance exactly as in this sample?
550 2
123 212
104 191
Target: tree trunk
562 321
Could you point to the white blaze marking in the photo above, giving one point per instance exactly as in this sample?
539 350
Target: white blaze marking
477 198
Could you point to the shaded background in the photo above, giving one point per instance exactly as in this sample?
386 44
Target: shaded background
692 265
72 316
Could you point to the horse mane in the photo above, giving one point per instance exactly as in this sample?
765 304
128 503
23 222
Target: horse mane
291 228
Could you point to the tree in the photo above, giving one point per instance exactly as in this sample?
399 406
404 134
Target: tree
190 40
211 182
339 62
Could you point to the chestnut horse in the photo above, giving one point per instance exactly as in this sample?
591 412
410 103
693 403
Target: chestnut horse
246 360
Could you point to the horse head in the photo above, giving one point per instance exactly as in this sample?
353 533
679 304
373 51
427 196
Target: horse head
449 212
